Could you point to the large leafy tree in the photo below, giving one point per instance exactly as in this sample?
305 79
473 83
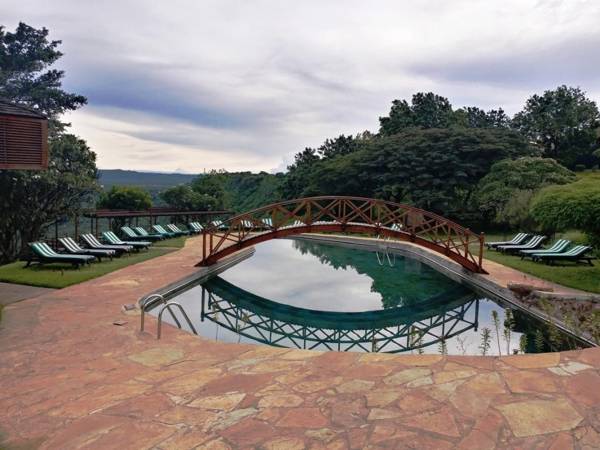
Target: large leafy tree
504 194
574 205
474 117
26 77
305 162
298 173
212 185
32 200
341 145
427 110
129 198
248 190
183 197
563 122
438 169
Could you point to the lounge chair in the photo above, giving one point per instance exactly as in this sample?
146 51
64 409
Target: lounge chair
75 249
558 247
112 239
532 244
294 224
149 236
247 224
159 229
175 229
268 222
575 254
195 227
132 235
218 224
42 254
517 240
396 227
91 241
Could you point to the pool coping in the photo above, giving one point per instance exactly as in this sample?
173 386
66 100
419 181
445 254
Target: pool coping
172 289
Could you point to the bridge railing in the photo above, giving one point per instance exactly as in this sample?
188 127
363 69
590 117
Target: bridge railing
344 214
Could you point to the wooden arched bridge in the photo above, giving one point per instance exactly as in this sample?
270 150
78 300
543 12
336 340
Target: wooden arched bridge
346 215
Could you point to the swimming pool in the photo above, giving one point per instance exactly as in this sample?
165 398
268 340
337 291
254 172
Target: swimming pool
304 294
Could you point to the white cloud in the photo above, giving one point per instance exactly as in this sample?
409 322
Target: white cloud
245 85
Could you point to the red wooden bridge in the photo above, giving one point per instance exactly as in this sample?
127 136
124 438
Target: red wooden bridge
345 215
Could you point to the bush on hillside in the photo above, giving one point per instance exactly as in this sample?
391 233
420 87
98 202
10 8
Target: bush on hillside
575 205
503 196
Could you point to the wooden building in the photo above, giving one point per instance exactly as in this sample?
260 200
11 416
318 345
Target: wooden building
23 137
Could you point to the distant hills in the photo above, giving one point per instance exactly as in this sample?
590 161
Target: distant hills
151 181
244 190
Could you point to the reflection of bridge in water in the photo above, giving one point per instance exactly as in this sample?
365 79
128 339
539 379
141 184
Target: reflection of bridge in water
392 330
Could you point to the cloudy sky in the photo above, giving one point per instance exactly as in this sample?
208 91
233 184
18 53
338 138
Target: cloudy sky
243 85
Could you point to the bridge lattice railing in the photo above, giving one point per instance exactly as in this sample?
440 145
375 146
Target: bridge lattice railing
344 214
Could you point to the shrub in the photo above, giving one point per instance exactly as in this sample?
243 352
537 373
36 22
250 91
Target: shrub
505 193
575 205
128 198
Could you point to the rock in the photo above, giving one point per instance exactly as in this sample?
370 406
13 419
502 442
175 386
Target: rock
534 417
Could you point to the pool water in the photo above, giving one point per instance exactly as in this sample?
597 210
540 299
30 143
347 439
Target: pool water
303 294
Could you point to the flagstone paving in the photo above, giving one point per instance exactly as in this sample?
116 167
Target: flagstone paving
70 379
12 293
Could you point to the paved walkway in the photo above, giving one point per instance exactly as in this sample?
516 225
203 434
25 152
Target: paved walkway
503 275
73 379
12 293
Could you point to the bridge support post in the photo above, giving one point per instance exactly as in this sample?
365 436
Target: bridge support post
481 242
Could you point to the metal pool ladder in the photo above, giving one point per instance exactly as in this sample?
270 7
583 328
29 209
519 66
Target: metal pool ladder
166 306
386 253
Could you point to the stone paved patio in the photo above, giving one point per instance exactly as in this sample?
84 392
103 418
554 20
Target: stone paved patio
12 293
72 379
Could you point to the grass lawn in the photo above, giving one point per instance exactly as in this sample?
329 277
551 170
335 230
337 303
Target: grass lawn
61 275
577 276
177 242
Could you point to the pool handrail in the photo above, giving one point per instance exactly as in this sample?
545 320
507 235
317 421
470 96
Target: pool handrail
167 306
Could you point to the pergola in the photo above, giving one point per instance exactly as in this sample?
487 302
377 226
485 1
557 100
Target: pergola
23 137
150 215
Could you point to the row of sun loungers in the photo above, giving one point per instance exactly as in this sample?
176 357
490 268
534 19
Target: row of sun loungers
528 246
137 238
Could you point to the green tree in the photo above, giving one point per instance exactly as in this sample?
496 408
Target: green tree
342 175
129 198
574 205
25 76
563 122
504 194
247 191
437 169
474 117
31 201
298 173
341 145
427 110
183 197
212 185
